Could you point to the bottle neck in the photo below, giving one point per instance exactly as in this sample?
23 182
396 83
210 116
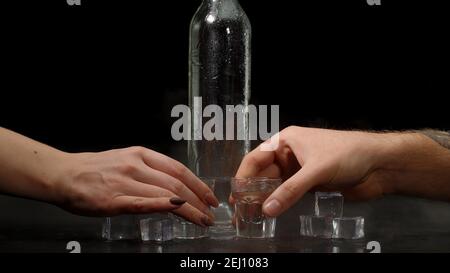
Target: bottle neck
215 3
219 1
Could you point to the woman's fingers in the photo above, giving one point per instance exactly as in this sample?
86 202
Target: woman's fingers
163 180
187 211
143 205
193 215
177 170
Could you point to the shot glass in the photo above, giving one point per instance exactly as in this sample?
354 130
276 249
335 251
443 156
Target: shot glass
223 228
250 195
186 230
124 227
157 227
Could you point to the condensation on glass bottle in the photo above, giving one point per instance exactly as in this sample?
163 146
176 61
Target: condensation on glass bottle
219 72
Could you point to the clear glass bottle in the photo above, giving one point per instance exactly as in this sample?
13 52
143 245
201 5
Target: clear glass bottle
219 72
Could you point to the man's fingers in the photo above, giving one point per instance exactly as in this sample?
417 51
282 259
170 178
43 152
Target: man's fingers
231 200
291 191
143 205
363 192
273 171
255 162
174 168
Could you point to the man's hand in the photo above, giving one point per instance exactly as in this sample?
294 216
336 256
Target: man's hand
361 165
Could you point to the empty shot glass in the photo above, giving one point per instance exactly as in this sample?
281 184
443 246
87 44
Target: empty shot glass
123 227
250 195
223 228
156 227
186 230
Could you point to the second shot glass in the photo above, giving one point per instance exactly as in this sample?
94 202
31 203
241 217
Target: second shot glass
250 195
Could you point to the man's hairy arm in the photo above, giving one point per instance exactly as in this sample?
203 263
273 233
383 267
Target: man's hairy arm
441 137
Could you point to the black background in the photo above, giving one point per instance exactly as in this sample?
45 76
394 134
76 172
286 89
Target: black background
106 74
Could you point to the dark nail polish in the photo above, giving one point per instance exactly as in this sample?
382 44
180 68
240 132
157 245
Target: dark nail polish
177 201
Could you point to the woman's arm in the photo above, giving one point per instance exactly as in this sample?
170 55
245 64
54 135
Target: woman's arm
28 168
132 180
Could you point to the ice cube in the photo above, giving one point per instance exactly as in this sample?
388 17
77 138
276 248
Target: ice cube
316 226
329 204
159 230
187 230
348 228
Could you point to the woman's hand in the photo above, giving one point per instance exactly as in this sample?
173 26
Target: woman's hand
127 181
131 181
